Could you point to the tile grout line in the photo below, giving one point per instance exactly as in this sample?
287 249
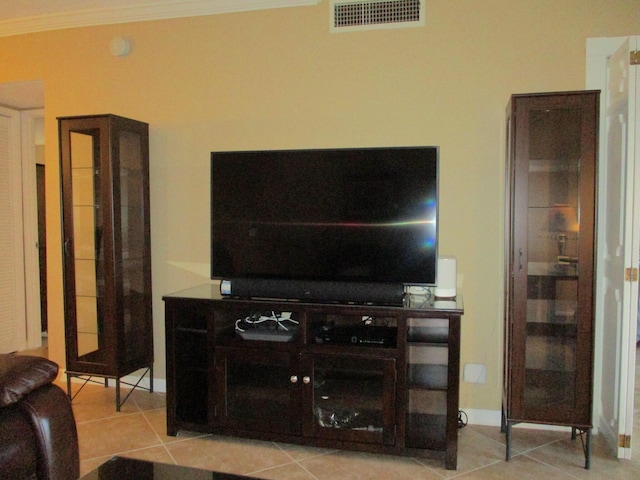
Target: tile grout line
422 464
162 443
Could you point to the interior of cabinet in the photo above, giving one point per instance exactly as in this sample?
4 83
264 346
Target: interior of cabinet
348 394
237 324
191 330
132 239
554 155
88 250
349 330
256 389
427 382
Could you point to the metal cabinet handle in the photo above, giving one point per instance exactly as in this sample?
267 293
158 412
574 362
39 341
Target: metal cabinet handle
306 380
294 379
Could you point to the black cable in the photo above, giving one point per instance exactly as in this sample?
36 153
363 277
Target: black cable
462 419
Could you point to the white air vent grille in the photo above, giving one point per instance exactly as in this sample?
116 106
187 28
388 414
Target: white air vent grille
372 14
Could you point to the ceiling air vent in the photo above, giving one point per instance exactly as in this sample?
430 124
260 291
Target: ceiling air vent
374 14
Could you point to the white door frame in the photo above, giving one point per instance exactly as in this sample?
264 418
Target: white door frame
13 325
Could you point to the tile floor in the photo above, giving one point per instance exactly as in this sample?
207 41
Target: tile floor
139 431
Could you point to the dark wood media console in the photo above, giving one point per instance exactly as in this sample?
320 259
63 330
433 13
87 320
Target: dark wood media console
361 377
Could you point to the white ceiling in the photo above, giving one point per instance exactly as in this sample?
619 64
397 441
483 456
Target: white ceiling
25 16
12 9
22 95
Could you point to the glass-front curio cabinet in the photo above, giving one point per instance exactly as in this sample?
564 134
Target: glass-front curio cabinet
549 278
104 163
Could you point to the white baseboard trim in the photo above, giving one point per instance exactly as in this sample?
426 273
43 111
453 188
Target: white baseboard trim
490 418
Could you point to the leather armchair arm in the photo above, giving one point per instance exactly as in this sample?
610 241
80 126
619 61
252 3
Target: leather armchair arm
21 374
38 424
51 417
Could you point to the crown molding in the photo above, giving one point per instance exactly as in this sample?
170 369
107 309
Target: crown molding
139 13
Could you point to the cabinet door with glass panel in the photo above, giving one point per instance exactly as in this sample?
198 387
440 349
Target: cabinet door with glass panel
349 398
551 155
107 252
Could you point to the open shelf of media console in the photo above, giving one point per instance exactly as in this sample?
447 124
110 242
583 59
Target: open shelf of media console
381 379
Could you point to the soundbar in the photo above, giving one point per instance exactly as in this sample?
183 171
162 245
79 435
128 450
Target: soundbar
315 291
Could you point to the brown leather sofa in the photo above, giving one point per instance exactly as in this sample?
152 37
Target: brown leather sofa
38 436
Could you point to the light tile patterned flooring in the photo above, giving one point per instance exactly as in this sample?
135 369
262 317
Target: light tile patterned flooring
139 431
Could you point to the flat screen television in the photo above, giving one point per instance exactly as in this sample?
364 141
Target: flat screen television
344 216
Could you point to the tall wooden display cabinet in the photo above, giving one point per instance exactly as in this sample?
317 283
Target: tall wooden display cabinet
550 226
107 249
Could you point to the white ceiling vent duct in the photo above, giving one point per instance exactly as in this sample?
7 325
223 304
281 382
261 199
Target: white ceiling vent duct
350 15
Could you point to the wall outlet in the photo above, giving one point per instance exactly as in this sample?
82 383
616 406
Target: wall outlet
475 373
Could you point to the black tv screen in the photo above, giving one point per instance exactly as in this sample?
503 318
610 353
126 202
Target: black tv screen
338 215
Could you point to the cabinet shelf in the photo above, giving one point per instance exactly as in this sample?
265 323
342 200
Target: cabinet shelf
196 331
554 165
426 431
551 329
432 387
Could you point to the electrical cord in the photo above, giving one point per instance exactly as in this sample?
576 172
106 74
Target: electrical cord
462 419
257 319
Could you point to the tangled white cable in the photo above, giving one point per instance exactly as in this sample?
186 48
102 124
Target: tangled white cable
257 319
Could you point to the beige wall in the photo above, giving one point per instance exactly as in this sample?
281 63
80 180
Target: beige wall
279 79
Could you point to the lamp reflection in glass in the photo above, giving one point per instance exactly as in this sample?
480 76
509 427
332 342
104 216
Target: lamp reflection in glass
564 220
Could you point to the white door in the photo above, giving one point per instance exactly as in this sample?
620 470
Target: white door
12 301
618 245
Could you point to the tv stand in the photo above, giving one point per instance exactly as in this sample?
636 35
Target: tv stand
381 379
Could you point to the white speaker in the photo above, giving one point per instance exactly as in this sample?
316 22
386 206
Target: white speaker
447 277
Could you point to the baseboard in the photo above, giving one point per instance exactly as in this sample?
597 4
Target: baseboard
490 418
610 436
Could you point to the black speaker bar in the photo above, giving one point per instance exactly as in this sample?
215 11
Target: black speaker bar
315 291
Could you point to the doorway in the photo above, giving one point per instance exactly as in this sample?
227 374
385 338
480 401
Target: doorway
26 100
611 69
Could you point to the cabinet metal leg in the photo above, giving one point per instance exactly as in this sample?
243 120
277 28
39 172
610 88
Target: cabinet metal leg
587 455
585 438
508 427
105 380
118 404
